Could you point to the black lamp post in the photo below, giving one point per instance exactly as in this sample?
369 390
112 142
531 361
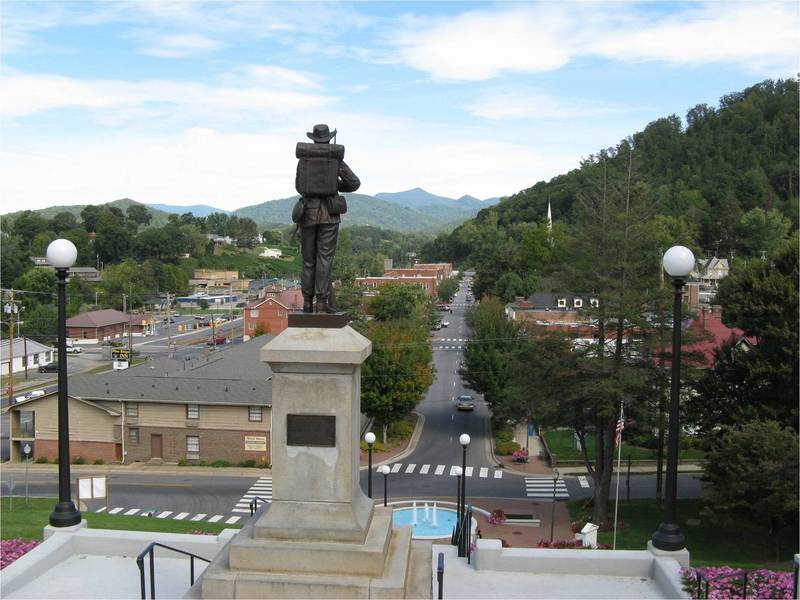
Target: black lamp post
553 507
370 439
464 440
384 470
458 473
62 254
678 263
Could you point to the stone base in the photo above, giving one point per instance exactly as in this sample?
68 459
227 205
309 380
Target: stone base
249 567
682 556
327 320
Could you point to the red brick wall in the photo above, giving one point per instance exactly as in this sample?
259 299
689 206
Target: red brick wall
215 444
89 451
272 317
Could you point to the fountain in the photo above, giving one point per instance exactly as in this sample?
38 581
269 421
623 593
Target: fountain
414 514
435 522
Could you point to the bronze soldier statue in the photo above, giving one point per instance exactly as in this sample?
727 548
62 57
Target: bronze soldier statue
321 175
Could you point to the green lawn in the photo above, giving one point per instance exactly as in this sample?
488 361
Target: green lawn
560 442
742 545
27 521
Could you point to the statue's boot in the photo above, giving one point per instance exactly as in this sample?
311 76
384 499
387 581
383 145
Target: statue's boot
308 304
324 307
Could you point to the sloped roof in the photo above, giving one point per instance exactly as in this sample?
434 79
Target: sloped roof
98 318
34 347
233 375
717 334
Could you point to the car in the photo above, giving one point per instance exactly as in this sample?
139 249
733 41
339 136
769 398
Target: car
204 323
437 326
34 394
217 341
74 349
445 323
465 403
49 368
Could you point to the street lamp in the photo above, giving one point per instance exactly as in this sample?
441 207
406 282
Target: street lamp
62 254
458 471
678 263
370 439
464 440
384 470
553 507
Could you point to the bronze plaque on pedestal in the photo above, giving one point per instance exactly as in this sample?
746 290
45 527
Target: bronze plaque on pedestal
311 430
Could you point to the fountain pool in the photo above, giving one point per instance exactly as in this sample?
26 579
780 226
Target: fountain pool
427 521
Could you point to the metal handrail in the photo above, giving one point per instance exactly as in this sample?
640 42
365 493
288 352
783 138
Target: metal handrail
254 504
151 551
440 574
703 593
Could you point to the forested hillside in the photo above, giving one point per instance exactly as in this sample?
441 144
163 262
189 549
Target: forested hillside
727 177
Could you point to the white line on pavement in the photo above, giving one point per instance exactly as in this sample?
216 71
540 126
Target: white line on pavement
114 511
132 511
439 470
198 517
484 472
410 468
215 518
468 472
396 467
164 514
423 470
181 516
232 520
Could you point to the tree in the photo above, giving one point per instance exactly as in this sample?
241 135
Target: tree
112 241
39 286
13 259
397 374
510 285
27 224
63 222
762 232
123 279
447 289
246 233
89 215
753 472
138 215
404 301
40 322
202 304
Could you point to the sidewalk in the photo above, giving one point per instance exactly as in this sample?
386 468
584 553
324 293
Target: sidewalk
137 468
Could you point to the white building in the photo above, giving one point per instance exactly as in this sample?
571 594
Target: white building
26 352
271 253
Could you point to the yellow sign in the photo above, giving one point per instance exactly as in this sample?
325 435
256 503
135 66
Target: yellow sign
255 443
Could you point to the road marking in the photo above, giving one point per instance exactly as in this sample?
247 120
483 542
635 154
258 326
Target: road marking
583 481
410 468
198 517
453 470
164 514
181 516
423 470
101 509
484 472
215 518
454 384
114 511
439 470
232 520
396 467
132 511
468 472
498 474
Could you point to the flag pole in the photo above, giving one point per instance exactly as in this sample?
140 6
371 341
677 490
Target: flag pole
619 467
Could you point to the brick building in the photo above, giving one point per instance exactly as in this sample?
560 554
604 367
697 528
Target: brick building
211 407
101 325
430 284
271 313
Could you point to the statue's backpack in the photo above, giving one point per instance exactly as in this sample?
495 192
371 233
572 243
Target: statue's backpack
318 169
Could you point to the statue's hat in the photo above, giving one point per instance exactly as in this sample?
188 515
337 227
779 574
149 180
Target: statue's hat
321 134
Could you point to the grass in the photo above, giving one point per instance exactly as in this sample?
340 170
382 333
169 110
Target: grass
27 522
738 544
560 442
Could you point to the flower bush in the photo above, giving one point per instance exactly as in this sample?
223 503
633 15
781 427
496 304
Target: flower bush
520 455
576 526
11 550
497 517
726 582
576 544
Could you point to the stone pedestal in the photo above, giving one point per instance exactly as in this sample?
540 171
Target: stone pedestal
321 536
682 556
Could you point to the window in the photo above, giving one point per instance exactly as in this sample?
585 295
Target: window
254 413
36 359
192 411
562 303
254 313
594 302
132 410
192 443
133 435
577 303
251 326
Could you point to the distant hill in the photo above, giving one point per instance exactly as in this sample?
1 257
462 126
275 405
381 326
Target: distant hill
418 198
198 210
159 216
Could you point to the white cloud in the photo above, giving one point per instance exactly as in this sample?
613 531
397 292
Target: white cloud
24 95
520 103
483 44
282 77
181 45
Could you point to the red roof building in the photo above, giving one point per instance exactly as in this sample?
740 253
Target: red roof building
107 324
271 314
709 322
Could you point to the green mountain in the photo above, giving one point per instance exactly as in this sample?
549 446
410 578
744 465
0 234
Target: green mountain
368 210
160 217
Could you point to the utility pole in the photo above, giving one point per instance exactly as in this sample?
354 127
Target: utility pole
169 329
10 309
230 307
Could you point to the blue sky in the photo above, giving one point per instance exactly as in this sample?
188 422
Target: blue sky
193 102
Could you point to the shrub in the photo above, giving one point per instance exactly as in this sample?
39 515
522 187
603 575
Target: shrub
505 435
220 463
248 463
497 517
41 460
265 465
760 583
506 448
99 461
402 429
78 460
572 544
183 463
376 447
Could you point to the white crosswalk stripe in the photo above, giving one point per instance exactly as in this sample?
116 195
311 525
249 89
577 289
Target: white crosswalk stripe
199 517
439 470
164 514
114 511
541 487
453 471
583 481
132 511
232 520
215 518
484 472
101 509
423 470
468 472
410 468
498 474
261 489
181 516
396 467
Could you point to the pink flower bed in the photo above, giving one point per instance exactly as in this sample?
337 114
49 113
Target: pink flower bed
575 544
11 550
726 582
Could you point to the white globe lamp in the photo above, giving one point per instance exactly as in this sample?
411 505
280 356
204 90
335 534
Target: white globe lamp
678 262
62 254
464 439
369 438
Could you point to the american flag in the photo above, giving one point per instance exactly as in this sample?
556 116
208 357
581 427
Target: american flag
620 426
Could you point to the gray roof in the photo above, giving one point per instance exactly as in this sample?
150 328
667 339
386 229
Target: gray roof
233 375
19 347
549 300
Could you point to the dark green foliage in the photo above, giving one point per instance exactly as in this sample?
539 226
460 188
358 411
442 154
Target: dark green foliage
113 240
447 289
221 463
506 448
401 301
39 286
13 260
